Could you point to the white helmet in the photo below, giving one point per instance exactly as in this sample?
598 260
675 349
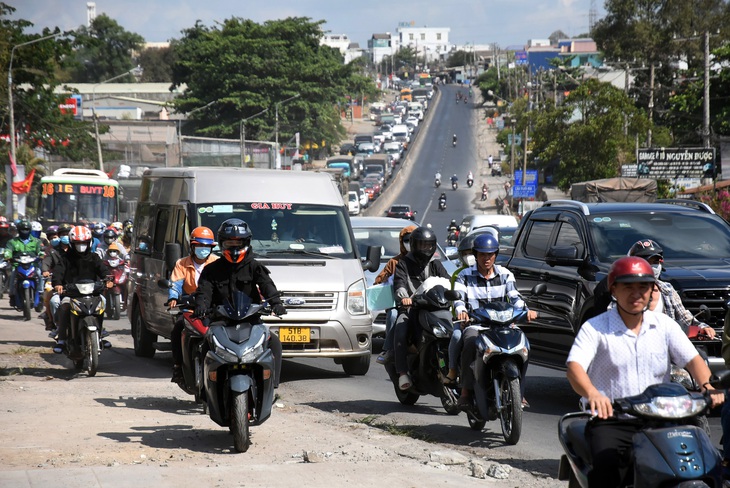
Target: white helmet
35 229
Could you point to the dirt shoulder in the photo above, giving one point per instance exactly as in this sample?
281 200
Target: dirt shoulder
130 424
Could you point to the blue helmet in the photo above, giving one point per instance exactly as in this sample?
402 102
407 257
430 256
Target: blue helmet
485 243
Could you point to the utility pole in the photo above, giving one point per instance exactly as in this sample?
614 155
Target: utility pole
651 104
706 104
278 155
512 152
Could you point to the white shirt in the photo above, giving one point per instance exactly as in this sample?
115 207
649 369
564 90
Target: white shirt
620 363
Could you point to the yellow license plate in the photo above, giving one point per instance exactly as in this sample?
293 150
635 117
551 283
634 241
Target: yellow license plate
294 334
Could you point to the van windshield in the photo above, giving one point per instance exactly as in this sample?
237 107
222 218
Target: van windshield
278 227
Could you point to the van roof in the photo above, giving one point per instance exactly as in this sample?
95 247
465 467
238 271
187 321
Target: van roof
233 185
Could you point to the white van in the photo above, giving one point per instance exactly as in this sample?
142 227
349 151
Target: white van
319 275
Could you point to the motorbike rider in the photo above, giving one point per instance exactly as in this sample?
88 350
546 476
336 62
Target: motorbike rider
619 354
470 177
386 276
453 140
410 272
442 198
485 282
24 242
452 229
4 232
485 191
53 256
36 229
184 280
78 263
665 298
97 231
454 179
240 270
437 177
109 236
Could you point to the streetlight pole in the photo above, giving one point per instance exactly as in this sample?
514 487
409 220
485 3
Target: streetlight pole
512 152
179 130
243 136
276 145
136 71
11 111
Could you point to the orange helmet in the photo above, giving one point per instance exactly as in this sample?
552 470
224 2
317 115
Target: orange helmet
202 236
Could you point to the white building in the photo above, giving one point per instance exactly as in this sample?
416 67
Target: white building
349 50
431 42
380 46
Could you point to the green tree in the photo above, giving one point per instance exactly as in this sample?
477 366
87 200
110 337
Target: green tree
156 64
585 135
38 120
104 50
247 67
459 58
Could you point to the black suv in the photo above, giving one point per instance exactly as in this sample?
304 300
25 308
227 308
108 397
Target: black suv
570 246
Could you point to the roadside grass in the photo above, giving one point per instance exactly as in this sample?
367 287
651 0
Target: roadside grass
392 428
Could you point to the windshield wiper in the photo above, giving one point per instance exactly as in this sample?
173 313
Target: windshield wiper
299 251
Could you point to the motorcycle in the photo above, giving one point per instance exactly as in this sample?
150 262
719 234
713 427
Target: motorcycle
428 365
437 182
469 182
485 194
452 237
666 451
502 356
238 368
117 275
454 185
442 205
27 292
84 344
4 273
453 141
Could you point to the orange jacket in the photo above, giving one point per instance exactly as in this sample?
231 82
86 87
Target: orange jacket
183 278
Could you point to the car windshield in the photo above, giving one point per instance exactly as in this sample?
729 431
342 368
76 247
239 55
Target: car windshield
387 238
682 236
399 208
286 227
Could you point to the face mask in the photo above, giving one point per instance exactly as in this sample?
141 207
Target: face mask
64 240
81 248
470 260
657 268
202 252
112 254
407 245
55 242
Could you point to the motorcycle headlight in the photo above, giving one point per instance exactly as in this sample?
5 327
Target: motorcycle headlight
250 354
675 407
440 331
225 354
356 298
499 315
85 288
26 259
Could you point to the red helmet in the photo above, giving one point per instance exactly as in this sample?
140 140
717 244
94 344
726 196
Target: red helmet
80 238
631 269
202 236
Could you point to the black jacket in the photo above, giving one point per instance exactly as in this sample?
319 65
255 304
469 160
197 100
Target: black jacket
74 267
220 277
53 257
409 275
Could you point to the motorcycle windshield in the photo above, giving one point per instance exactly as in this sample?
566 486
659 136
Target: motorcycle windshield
238 306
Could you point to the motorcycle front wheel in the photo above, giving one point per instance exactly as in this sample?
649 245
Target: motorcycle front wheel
116 305
510 415
239 422
27 303
91 352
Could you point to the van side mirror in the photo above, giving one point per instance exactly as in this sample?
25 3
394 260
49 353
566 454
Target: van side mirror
372 263
172 254
123 206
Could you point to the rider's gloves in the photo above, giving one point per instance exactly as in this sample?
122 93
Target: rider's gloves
279 309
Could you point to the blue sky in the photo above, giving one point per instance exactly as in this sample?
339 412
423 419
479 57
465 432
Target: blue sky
506 22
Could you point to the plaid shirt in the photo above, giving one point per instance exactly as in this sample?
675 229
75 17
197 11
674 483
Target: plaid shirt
674 307
480 290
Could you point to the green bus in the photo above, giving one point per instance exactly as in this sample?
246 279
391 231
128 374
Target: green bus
74 195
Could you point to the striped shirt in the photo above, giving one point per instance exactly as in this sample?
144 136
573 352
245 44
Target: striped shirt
479 290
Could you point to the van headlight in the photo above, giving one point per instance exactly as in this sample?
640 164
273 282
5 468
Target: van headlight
356 298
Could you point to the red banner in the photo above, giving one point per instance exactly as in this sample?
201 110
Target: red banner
21 187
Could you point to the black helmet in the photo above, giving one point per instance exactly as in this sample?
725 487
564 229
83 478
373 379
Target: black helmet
647 249
110 235
234 238
423 244
64 229
23 228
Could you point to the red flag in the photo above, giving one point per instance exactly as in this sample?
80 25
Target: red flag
13 168
21 187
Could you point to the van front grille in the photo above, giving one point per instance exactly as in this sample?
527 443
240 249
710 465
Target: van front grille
309 301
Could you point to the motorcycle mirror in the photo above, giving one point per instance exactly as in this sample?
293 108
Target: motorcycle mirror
452 295
721 380
163 283
539 289
704 313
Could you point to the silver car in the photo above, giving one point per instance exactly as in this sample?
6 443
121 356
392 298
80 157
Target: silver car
385 232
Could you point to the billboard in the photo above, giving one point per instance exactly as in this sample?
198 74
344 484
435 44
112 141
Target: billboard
670 163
